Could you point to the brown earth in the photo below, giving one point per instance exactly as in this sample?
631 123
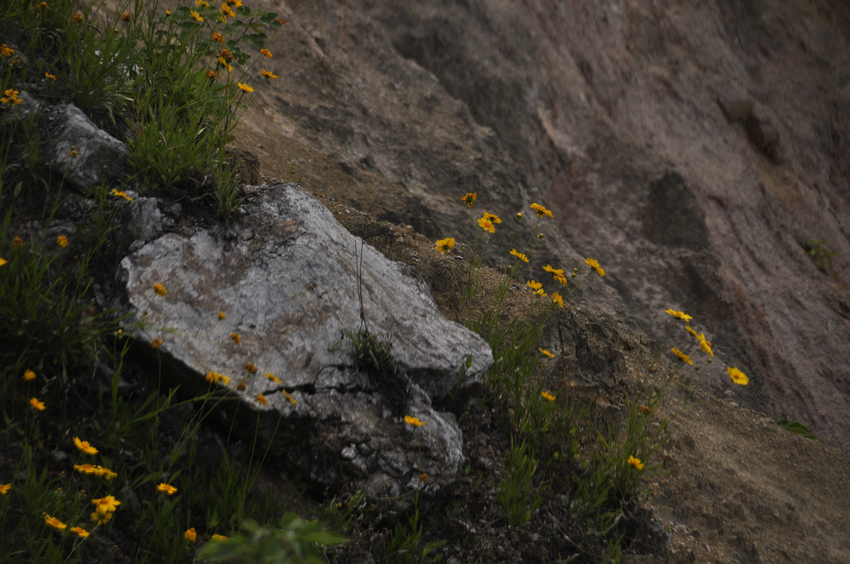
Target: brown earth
735 487
695 150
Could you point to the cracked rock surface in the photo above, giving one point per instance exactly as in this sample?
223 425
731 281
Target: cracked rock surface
287 284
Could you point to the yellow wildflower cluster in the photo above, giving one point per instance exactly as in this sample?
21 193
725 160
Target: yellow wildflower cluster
410 420
635 462
117 193
444 245
215 378
705 345
104 508
167 488
84 446
93 470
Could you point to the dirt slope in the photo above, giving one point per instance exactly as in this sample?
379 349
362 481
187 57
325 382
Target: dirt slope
613 115
696 150
738 487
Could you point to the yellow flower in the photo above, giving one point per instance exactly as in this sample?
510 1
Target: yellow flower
682 356
544 352
469 199
635 462
202 4
444 245
40 7
101 518
557 299
272 378
244 87
541 211
235 338
73 153
221 315
7 52
705 345
234 3
266 52
562 280
281 21
226 55
250 368
80 531
212 75
217 37
17 242
126 17
155 343
54 522
215 377
160 290
518 217
167 488
645 409
679 315
547 396
106 504
3 261
62 241
77 18
519 255
267 74
261 399
486 225
85 468
225 64
196 15
534 285
167 12
219 537
737 376
554 271
190 535
4 488
539 293
491 217
691 331
423 477
118 194
225 10
105 473
29 375
595 266
50 76
413 421
37 404
84 446
289 398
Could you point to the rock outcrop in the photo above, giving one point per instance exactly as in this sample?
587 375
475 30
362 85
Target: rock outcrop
288 280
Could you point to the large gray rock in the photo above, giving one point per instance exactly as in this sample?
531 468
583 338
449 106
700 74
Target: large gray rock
86 155
289 287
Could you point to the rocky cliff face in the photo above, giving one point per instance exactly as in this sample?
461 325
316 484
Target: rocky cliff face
696 150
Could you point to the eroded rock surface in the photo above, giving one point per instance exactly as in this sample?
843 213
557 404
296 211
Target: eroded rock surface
86 155
287 284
